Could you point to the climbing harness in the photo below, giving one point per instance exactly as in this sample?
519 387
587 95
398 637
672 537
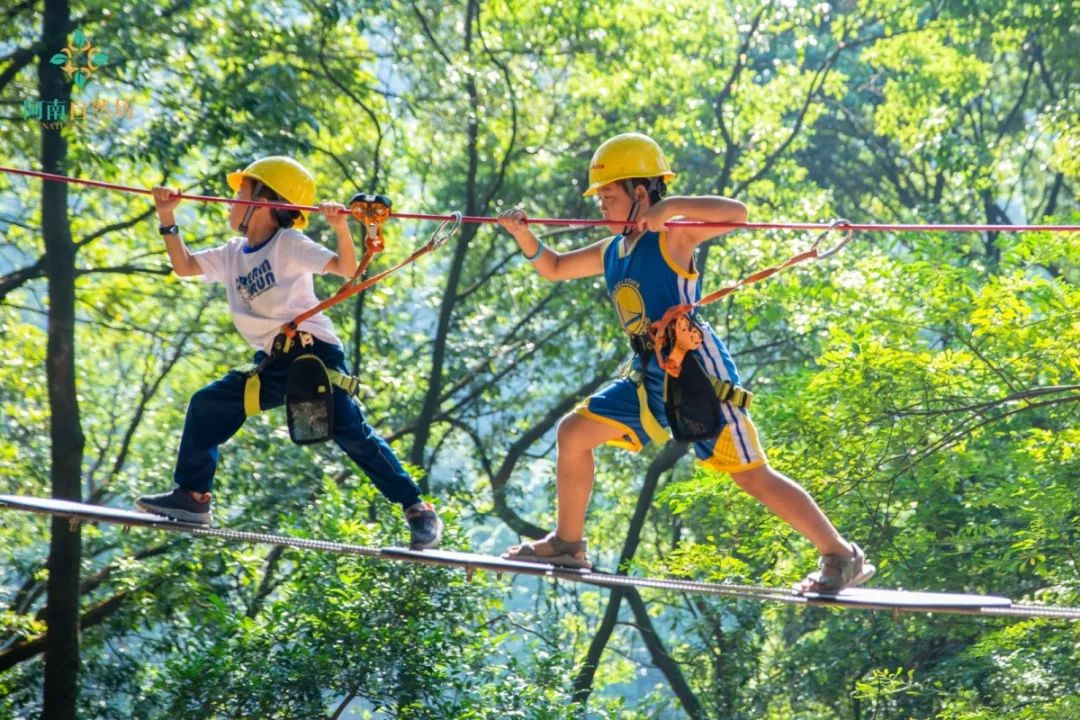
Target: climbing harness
284 345
670 331
689 406
689 397
690 402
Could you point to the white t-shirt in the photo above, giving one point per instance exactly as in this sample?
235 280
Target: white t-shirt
269 286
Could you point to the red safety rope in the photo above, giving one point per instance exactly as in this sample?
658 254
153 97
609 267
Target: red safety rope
370 214
658 331
473 219
855 227
145 191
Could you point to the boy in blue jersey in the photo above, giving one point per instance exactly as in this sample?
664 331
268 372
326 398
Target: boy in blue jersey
649 269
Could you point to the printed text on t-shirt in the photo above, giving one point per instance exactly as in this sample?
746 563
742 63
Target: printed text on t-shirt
255 283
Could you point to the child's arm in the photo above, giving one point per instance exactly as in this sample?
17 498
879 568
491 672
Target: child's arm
703 208
344 263
183 264
580 263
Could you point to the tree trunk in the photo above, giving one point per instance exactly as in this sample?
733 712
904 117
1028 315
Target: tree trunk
65 549
450 299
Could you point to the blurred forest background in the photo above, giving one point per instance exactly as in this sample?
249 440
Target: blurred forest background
923 386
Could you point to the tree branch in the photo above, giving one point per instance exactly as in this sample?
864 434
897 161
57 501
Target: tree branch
266 584
663 462
662 659
504 163
17 278
376 170
96 615
815 86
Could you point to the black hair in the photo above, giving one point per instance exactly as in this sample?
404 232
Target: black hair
656 186
285 218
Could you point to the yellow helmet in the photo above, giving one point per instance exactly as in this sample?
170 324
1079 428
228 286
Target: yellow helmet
283 175
626 156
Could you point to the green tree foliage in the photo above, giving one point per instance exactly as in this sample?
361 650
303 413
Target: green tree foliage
922 386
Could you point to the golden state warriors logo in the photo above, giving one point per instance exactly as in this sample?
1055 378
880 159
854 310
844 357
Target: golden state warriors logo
631 307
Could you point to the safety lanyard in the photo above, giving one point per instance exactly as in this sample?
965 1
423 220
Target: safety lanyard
372 211
658 331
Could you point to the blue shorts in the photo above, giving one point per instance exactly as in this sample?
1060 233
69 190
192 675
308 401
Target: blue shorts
619 405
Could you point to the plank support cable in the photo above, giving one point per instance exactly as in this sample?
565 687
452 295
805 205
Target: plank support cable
894 601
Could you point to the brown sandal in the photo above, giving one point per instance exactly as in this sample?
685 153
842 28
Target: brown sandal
564 554
836 572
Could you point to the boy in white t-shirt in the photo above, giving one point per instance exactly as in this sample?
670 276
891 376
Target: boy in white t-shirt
268 276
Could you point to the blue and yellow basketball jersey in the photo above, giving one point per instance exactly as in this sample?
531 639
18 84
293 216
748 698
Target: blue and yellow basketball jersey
644 282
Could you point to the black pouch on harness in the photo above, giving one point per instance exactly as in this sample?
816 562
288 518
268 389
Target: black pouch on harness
309 401
690 403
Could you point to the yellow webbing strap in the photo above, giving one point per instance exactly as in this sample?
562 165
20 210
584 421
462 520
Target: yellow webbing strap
348 383
655 430
731 393
253 385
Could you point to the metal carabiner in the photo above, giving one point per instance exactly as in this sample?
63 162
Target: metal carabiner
442 234
838 224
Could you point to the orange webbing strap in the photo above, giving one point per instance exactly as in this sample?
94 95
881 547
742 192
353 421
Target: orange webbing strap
372 211
658 331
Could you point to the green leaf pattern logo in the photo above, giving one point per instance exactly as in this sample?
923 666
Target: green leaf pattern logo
80 59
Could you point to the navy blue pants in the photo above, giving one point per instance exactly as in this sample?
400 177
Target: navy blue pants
216 413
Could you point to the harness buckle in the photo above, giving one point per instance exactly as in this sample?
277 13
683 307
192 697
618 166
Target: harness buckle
641 343
729 392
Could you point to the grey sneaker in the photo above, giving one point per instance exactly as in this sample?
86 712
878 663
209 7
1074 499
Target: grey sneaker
177 505
425 527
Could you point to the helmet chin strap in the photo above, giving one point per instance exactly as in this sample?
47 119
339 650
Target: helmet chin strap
632 216
654 184
251 208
